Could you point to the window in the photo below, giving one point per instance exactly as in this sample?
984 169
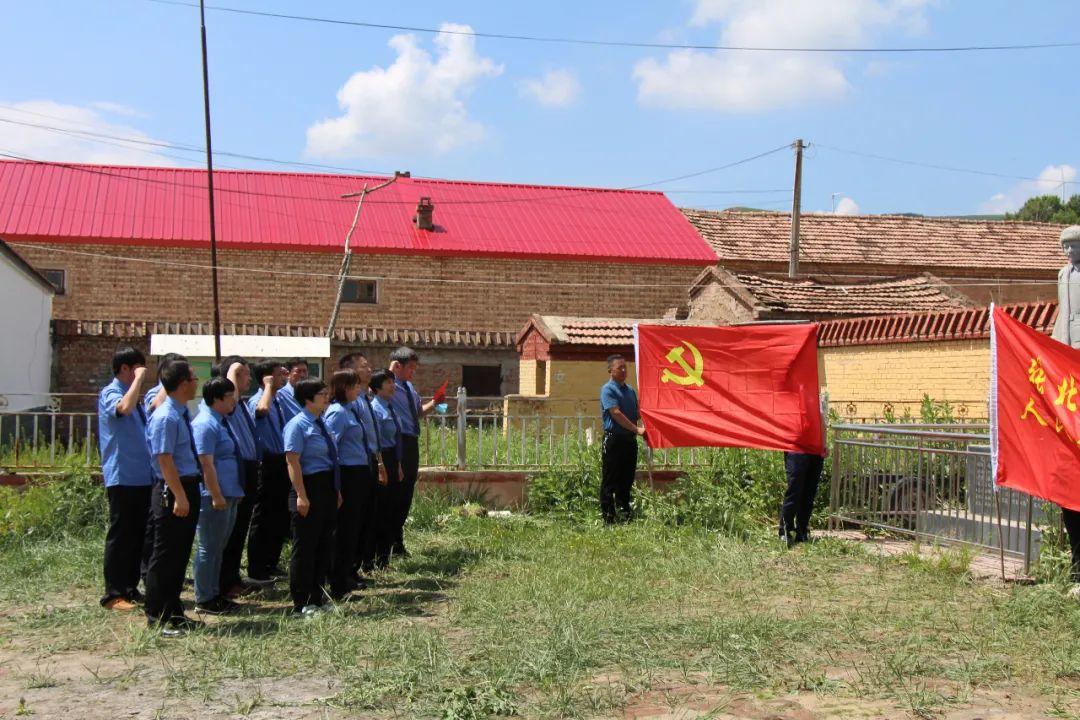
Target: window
541 377
482 380
58 279
360 291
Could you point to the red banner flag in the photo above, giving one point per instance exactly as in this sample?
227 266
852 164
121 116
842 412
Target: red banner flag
753 386
1034 418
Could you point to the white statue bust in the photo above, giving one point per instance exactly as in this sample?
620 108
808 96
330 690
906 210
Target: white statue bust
1067 325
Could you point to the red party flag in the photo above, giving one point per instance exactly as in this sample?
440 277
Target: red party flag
751 386
1034 412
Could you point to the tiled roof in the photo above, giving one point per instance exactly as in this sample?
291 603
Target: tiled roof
821 299
52 202
882 240
360 336
969 324
562 330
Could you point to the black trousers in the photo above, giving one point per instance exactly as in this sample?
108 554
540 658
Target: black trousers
618 465
386 501
368 521
403 497
147 543
803 475
173 537
356 496
312 540
128 509
234 548
269 517
1071 520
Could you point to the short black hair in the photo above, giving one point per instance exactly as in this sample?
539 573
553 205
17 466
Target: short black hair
216 388
264 368
175 373
348 361
293 362
127 355
222 368
307 389
166 359
404 355
378 379
612 358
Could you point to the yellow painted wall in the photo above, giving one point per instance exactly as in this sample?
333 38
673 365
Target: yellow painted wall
861 380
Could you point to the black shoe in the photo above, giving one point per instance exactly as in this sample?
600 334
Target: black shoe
259 582
277 573
399 549
136 597
184 623
802 537
363 583
217 606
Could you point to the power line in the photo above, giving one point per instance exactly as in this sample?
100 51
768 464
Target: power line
622 43
947 168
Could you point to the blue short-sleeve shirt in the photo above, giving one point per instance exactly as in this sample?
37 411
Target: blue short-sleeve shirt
404 395
366 412
122 440
212 438
242 423
303 437
387 428
287 398
167 434
150 395
344 425
269 428
612 395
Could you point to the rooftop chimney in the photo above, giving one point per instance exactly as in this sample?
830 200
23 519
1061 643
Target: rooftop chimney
424 211
402 174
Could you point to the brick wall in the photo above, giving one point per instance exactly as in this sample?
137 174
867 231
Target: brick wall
100 288
862 379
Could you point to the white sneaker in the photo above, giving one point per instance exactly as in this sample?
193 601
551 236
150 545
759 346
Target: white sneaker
1074 592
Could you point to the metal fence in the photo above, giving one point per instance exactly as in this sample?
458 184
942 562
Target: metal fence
472 434
932 482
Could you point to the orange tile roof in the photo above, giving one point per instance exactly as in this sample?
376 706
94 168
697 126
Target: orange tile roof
882 240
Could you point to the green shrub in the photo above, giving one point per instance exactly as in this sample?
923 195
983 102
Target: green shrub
572 490
74 504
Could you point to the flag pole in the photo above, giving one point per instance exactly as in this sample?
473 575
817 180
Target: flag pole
648 455
1001 534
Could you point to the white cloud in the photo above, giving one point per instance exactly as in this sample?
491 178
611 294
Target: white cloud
1048 183
846 206
116 109
556 88
414 105
65 143
754 81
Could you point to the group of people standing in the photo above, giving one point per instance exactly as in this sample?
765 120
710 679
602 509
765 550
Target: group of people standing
332 468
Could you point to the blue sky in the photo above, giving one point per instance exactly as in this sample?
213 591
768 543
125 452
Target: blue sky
488 109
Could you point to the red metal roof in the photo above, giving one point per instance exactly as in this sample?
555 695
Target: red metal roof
303 211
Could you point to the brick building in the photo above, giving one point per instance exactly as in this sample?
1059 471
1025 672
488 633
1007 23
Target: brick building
446 266
988 260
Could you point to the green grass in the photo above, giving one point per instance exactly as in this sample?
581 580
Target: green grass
556 617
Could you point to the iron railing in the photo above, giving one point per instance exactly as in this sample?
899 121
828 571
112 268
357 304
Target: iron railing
932 482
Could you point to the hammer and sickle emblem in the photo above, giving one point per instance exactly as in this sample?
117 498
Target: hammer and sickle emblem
693 374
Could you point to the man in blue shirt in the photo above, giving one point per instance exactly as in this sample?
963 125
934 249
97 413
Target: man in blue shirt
270 515
298 370
242 423
365 551
391 444
410 409
619 408
314 472
175 499
125 464
219 455
155 395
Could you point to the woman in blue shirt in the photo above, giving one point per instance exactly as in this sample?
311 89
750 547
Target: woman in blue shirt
312 459
219 456
347 426
388 492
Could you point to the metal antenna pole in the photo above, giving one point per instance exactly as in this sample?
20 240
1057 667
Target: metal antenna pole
210 185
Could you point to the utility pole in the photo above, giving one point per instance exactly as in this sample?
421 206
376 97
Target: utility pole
796 200
210 185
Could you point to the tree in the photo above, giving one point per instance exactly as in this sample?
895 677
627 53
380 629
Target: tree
1049 208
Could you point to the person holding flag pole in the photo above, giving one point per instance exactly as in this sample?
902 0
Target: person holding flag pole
619 411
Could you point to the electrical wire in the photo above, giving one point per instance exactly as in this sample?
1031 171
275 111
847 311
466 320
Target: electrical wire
622 43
